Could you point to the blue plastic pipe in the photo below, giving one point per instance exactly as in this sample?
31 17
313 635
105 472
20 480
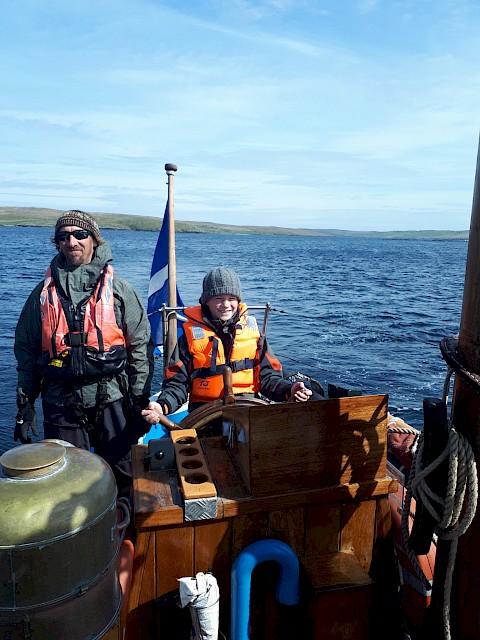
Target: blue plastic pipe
288 587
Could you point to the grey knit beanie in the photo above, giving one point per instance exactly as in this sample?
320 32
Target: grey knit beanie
75 218
220 281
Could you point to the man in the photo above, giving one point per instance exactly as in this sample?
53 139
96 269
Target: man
83 341
220 333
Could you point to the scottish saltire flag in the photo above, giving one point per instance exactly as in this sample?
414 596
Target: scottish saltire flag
158 287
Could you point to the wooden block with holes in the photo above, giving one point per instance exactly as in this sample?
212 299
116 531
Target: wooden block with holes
195 479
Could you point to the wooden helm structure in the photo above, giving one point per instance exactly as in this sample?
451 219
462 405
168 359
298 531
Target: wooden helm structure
202 416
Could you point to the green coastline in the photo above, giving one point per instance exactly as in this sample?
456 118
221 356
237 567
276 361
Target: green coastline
42 217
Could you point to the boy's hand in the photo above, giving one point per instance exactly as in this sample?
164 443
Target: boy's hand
299 392
152 413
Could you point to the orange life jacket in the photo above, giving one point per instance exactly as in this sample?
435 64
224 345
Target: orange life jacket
208 356
83 342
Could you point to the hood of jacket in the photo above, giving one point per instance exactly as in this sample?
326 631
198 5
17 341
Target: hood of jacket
79 282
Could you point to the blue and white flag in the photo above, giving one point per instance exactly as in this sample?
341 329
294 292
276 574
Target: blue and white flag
158 287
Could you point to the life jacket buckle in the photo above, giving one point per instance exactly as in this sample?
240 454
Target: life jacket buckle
75 338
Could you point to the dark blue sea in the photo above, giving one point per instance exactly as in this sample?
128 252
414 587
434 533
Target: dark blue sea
362 313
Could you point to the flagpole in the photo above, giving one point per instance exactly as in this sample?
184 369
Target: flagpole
172 268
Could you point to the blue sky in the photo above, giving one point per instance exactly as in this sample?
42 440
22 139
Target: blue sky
346 114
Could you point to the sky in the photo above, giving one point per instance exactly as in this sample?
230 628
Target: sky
323 114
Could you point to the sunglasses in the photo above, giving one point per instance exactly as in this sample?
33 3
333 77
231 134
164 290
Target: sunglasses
79 234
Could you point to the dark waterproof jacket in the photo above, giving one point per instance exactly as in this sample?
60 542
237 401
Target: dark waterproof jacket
77 283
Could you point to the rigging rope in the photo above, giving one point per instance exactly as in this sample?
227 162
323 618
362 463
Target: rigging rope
454 512
449 349
461 498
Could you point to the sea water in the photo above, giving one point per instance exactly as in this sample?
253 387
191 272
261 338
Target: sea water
362 313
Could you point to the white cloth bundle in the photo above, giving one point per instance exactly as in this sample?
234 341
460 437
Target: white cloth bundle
201 594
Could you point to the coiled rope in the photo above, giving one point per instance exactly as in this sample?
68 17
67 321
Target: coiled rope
453 513
461 497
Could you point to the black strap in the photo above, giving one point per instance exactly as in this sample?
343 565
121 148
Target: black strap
101 345
217 370
100 404
76 316
102 397
213 359
78 412
203 372
75 339
241 365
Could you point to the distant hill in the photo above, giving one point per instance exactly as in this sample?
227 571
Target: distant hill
38 217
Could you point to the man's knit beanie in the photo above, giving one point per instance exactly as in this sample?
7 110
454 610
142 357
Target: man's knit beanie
75 218
220 281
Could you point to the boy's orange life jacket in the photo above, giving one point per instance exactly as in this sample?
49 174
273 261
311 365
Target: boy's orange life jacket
208 357
97 335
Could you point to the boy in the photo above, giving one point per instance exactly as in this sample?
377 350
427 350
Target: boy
220 333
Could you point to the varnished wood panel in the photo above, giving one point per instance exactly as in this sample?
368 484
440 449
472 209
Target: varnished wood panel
340 596
141 617
227 480
385 609
213 552
288 525
287 500
154 490
322 531
291 445
174 557
335 571
212 544
157 501
358 530
247 529
142 587
342 614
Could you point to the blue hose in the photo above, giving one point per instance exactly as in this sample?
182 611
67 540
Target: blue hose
288 587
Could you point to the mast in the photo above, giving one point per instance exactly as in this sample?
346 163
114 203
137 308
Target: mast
466 420
172 268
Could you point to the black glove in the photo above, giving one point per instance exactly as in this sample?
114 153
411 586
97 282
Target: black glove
26 418
138 423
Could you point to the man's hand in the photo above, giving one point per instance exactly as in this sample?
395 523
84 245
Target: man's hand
26 419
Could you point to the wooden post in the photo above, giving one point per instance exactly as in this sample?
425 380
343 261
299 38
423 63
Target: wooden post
172 268
435 434
466 419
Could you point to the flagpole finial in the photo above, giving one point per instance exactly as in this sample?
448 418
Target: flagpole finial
170 168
